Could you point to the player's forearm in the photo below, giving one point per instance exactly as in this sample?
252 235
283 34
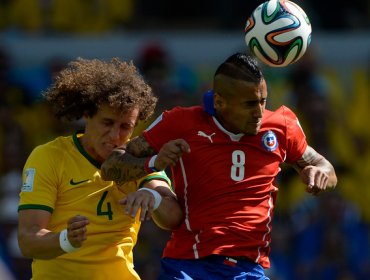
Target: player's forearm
41 245
122 167
313 158
169 214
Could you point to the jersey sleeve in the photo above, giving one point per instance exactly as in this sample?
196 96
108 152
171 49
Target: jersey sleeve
165 128
296 139
161 175
40 179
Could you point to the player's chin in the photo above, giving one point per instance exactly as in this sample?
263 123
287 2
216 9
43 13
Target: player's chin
252 129
107 149
104 153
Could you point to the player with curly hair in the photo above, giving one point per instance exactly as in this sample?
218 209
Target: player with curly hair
73 224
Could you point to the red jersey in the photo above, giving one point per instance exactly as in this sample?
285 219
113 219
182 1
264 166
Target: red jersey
226 184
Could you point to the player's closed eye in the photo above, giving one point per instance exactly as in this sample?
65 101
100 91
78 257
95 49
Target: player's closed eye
252 104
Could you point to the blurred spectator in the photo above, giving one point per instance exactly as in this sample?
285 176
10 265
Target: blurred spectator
5 272
50 17
148 250
96 16
310 95
33 80
20 123
334 244
12 158
10 94
350 138
173 84
281 252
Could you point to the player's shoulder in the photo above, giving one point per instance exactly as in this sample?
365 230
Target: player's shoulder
186 113
58 145
283 111
52 153
187 110
280 119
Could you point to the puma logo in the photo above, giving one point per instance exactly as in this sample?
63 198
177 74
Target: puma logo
202 134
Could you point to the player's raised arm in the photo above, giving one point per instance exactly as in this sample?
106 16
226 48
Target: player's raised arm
138 159
316 172
126 164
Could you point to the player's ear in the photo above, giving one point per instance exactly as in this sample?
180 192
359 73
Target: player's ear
219 101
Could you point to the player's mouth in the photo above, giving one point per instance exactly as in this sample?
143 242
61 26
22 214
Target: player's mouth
254 127
109 146
256 122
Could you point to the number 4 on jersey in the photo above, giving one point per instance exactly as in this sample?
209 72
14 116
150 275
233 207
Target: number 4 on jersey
101 204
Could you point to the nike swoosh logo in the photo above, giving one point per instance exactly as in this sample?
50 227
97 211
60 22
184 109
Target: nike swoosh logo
73 183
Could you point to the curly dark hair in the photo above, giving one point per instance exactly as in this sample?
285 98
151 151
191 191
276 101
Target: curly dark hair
84 85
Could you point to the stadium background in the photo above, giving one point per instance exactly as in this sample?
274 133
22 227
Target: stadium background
177 45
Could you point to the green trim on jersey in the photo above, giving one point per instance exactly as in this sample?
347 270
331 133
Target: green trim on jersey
35 206
161 175
82 150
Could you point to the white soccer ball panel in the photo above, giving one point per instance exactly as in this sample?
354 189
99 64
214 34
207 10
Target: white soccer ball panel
278 32
271 6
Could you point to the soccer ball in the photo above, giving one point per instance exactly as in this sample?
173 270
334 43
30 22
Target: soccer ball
278 32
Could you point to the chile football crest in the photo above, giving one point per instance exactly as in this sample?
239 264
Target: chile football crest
269 141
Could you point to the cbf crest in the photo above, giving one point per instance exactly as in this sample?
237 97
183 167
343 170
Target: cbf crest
269 141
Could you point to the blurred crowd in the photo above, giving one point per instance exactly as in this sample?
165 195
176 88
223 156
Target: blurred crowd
76 16
325 237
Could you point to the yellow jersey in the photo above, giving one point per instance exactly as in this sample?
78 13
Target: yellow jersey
61 177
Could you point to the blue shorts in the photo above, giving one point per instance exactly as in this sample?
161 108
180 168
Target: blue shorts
213 267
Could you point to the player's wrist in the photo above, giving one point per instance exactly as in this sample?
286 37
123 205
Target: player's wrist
150 164
64 242
157 197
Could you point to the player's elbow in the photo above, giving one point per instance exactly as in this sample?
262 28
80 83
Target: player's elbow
168 224
174 222
23 246
169 217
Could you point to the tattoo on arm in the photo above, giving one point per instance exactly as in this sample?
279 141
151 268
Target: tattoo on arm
310 157
313 158
139 147
127 165
122 167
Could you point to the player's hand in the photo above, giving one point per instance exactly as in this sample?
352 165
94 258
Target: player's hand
76 227
134 201
315 179
170 153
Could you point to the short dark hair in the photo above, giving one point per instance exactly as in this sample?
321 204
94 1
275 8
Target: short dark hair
241 66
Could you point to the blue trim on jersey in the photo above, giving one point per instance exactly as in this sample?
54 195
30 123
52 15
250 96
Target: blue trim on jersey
213 267
208 103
